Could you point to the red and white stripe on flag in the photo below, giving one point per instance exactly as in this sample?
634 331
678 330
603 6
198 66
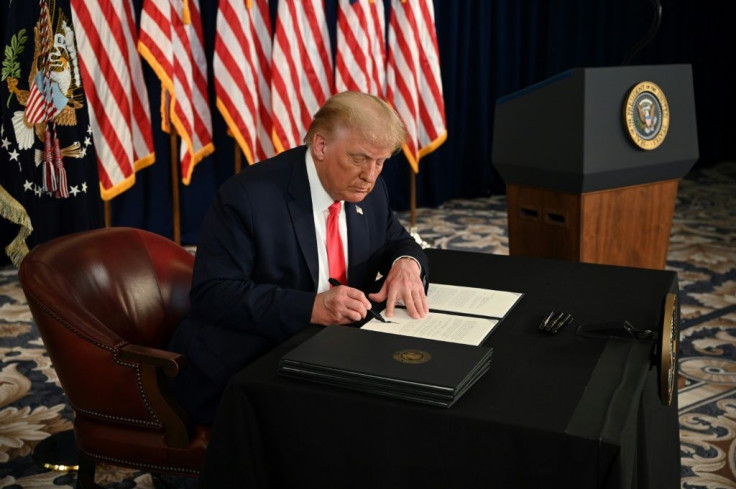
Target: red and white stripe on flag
111 70
414 85
301 69
172 42
242 74
360 60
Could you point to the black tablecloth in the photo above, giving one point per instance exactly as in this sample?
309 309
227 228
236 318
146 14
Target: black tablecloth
570 410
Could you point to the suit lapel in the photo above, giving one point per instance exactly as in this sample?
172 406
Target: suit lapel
358 242
302 216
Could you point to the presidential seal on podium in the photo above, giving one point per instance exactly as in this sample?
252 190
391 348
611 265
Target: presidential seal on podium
646 115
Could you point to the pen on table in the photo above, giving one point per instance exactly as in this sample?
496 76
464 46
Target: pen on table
556 322
565 321
545 322
373 313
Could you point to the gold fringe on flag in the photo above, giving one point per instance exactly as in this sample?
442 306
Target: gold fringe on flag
11 210
186 16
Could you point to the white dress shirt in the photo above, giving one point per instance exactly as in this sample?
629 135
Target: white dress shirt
321 201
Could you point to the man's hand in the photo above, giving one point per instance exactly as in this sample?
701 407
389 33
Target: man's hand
339 305
403 282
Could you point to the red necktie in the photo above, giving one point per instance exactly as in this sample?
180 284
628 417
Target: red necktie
335 254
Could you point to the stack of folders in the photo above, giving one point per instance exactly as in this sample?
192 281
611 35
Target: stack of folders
415 369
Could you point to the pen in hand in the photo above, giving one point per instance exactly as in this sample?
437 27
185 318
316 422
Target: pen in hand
373 313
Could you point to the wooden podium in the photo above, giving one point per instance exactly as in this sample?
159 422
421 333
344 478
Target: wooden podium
578 185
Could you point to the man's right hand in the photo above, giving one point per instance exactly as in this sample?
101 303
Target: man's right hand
339 305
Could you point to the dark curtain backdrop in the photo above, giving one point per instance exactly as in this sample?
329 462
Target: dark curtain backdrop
488 48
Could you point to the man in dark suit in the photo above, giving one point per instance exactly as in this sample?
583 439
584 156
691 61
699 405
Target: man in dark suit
262 271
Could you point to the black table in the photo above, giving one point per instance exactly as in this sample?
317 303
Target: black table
571 410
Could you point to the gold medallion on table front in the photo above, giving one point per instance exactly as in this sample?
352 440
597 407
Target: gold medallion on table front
668 348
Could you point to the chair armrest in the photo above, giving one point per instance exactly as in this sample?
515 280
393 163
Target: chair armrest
169 362
153 364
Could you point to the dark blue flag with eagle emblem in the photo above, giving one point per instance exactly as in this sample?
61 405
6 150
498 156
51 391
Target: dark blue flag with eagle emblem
49 184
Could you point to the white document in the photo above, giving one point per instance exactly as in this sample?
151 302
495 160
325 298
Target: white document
456 314
436 326
471 300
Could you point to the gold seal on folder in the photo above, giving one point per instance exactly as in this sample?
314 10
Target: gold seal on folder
412 356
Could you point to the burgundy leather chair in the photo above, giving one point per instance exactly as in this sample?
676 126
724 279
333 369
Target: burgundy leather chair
106 303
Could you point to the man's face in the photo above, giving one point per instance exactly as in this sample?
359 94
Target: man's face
348 165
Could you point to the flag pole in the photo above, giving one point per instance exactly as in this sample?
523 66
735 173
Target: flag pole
413 212
175 184
413 201
238 158
108 214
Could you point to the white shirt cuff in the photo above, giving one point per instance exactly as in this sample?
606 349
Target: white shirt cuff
411 258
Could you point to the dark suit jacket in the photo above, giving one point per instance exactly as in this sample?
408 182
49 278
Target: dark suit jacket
256 267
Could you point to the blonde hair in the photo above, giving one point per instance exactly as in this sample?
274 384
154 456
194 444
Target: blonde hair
363 113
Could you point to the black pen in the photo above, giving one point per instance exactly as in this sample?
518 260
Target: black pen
545 322
556 322
564 322
373 313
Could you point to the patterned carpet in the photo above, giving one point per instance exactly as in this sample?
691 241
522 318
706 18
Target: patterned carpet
702 251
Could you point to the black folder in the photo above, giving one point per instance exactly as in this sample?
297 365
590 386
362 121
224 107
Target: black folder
404 367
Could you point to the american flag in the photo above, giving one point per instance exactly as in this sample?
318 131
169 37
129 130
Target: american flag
301 69
116 91
414 86
172 42
242 74
360 61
